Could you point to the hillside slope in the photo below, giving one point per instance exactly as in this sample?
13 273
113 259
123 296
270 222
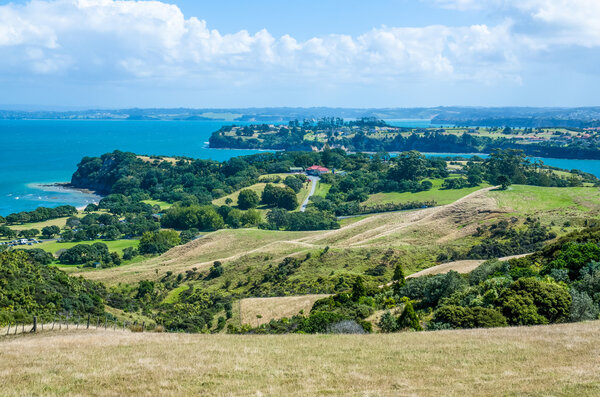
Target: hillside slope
412 232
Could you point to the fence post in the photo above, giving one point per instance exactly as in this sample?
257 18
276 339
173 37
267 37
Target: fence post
23 327
97 322
78 320
16 327
53 321
34 329
88 322
143 325
67 321
8 330
105 321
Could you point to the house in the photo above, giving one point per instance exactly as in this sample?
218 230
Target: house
317 170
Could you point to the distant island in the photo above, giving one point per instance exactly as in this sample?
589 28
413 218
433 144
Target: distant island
530 117
369 134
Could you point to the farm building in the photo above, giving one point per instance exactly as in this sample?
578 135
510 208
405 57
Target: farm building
317 170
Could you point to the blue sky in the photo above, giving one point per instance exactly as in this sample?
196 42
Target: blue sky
349 53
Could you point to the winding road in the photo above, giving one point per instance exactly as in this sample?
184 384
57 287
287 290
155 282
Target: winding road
315 181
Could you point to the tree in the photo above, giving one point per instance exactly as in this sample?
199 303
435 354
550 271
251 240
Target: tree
409 318
7 232
358 289
251 218
129 253
398 279
50 231
503 181
294 183
282 197
248 199
287 199
112 233
216 270
30 233
91 208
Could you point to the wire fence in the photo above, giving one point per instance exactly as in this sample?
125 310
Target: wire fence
31 324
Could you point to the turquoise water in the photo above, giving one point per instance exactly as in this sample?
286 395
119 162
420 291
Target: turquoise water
44 151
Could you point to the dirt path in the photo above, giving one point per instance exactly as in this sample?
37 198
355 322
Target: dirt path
314 182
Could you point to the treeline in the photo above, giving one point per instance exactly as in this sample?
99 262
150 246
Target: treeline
420 139
40 214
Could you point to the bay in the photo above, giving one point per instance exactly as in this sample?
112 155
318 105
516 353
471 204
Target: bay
40 152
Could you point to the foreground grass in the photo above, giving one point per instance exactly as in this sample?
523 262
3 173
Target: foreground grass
547 360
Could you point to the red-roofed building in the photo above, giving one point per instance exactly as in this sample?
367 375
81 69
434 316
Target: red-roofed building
317 170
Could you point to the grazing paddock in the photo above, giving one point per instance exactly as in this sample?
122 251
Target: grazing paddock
275 308
544 360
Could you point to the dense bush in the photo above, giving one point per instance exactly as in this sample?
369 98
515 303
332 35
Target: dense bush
158 242
28 288
469 317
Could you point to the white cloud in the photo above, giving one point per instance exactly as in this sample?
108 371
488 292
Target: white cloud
558 22
150 39
109 40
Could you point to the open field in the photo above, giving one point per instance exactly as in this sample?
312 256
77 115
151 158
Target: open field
60 222
117 245
442 197
162 204
544 360
275 308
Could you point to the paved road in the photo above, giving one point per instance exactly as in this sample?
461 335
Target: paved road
315 181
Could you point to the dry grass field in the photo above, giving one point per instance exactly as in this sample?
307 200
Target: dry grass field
560 360
275 308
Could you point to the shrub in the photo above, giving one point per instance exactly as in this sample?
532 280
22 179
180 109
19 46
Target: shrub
409 318
484 271
319 322
387 322
583 307
469 317
346 327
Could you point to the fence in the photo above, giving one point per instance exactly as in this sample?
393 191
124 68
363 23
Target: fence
35 324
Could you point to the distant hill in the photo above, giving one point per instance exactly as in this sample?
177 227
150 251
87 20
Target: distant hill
458 115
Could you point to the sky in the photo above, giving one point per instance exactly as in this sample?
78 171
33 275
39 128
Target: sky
339 53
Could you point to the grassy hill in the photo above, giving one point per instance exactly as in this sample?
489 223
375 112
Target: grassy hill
416 238
543 360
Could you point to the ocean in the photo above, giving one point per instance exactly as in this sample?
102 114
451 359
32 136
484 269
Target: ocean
40 152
